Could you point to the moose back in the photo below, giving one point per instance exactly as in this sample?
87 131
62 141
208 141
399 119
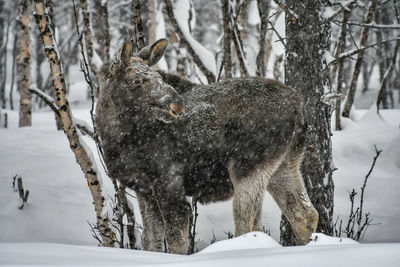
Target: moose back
168 138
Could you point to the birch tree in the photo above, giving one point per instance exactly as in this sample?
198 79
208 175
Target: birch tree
24 62
82 155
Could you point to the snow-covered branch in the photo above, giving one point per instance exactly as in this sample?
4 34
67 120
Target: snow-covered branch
372 25
359 50
46 98
201 56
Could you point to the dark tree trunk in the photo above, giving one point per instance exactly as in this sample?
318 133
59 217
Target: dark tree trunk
307 35
137 21
383 55
101 29
340 49
226 13
357 67
263 9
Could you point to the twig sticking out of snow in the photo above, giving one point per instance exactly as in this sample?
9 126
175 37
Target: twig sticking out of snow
358 222
23 194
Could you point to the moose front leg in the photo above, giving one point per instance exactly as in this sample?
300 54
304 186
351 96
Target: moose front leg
176 213
153 224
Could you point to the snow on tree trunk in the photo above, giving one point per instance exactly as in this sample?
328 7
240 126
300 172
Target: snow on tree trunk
308 37
82 154
24 62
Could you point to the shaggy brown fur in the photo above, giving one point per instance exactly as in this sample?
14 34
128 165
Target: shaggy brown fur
236 138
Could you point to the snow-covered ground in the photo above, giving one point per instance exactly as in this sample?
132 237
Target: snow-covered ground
52 228
235 252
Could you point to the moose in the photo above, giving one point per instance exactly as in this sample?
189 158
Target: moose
168 138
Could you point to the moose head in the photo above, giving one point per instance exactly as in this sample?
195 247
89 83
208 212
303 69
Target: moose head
131 79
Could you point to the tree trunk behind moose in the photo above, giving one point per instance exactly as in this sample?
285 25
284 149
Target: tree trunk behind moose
308 36
101 29
24 62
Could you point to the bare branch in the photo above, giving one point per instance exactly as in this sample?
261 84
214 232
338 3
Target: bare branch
371 25
347 7
359 50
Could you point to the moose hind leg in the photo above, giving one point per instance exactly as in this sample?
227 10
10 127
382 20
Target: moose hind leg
153 225
287 188
248 196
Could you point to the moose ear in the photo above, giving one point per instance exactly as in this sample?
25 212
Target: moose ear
121 57
126 52
153 53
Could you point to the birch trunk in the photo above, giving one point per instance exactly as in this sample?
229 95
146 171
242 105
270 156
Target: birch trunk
24 62
81 154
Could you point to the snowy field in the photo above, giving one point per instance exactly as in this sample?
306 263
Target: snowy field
52 228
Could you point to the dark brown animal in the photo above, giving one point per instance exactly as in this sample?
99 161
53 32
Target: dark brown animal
236 138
